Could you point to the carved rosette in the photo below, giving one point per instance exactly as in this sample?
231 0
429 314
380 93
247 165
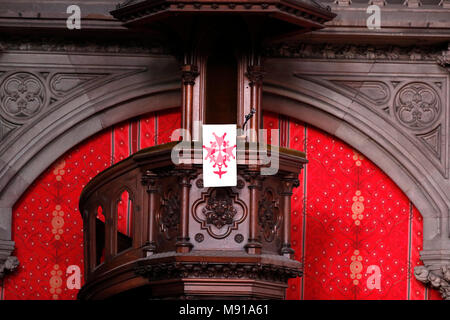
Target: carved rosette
168 215
62 84
22 96
438 282
376 92
417 105
219 212
269 215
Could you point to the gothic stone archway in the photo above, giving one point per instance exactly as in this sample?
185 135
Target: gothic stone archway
83 94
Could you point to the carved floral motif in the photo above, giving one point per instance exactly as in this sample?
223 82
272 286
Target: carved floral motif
417 105
22 95
55 44
219 211
376 92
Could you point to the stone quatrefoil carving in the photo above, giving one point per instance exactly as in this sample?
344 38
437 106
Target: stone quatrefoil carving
22 96
219 212
417 105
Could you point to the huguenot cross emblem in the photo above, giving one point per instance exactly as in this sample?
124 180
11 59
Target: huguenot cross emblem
219 153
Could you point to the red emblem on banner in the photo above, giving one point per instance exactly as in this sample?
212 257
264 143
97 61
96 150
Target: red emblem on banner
219 153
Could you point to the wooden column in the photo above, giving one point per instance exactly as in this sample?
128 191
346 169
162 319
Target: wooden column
149 180
188 74
254 244
183 243
255 75
110 230
288 183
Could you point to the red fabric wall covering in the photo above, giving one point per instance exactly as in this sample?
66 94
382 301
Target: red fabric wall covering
346 216
47 225
350 223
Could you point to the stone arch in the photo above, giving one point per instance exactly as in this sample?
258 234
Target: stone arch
312 102
30 153
386 146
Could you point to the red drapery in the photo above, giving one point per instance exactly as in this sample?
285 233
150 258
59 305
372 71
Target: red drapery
357 234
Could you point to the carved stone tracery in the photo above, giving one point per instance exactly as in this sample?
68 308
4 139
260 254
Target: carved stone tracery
217 270
219 210
26 95
22 96
435 281
376 92
57 44
417 105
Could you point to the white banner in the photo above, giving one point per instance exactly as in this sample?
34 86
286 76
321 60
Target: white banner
219 155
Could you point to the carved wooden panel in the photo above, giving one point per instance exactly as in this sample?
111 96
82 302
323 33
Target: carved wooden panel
219 211
168 213
219 216
270 216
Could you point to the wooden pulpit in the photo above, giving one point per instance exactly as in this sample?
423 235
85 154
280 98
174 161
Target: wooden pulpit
187 241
